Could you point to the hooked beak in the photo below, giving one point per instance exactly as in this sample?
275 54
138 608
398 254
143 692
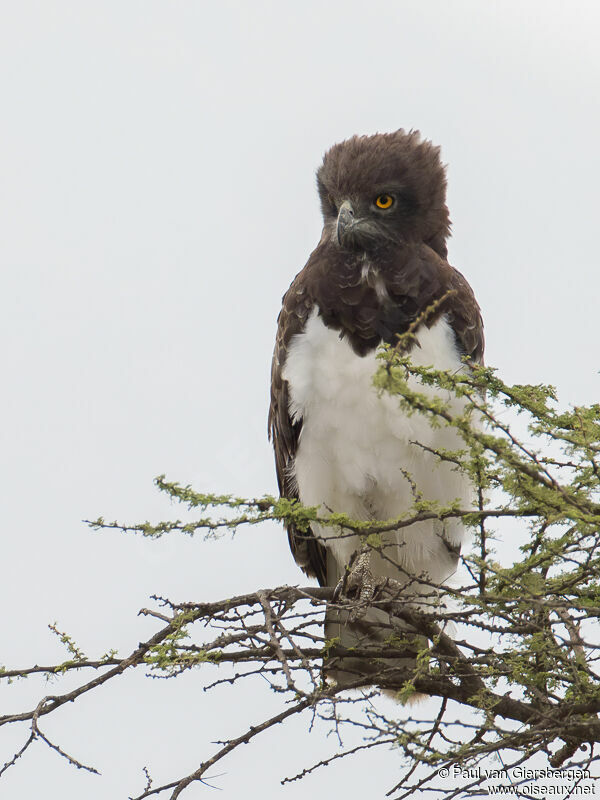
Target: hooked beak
345 220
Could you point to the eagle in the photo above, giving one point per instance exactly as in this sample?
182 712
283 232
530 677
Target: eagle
379 269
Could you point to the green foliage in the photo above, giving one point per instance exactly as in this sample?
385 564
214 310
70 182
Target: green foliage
73 649
525 607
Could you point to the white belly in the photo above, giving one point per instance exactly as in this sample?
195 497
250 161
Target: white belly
355 446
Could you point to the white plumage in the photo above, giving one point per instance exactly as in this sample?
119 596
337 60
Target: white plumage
356 442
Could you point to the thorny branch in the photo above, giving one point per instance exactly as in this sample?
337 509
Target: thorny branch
456 673
510 649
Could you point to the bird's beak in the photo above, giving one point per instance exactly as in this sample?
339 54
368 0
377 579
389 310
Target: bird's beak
345 220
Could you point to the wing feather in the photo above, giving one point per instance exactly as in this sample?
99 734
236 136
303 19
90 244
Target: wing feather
284 432
465 318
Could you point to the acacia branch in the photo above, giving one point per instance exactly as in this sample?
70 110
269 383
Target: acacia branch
523 662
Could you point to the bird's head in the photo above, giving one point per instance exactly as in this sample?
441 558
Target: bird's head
384 190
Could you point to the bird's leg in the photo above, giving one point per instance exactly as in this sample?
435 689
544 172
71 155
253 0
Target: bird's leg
357 582
361 578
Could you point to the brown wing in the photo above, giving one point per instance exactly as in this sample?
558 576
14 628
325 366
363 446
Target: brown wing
309 553
429 277
420 278
464 316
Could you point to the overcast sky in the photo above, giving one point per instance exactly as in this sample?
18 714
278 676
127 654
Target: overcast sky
157 196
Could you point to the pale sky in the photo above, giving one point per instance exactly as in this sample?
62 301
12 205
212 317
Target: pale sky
157 197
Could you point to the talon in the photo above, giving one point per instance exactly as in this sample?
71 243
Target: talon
339 589
345 584
357 583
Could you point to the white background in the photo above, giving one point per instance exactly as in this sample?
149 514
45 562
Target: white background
156 199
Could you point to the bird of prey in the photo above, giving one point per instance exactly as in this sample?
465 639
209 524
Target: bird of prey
339 445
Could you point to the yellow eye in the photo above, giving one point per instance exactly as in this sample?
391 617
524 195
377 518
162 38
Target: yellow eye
384 201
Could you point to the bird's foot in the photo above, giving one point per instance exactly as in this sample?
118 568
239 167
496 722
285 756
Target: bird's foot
357 583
